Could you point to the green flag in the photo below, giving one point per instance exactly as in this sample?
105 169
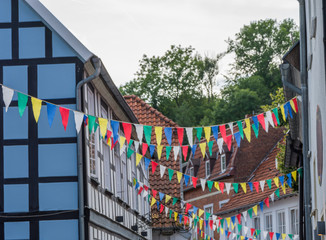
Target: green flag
275 111
130 152
269 183
290 236
222 222
210 185
170 215
168 150
207 215
240 128
170 171
258 232
148 133
199 131
91 122
256 130
174 201
210 147
277 192
130 142
235 187
250 212
300 171
238 236
95 127
22 102
239 227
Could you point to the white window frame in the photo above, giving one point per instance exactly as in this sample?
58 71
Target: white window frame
207 168
294 225
256 220
191 172
209 208
281 223
269 215
221 203
223 163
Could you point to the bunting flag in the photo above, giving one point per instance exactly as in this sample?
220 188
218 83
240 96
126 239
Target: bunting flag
247 130
91 122
240 128
180 132
159 151
203 183
210 147
244 187
148 133
78 116
256 130
138 158
185 152
294 175
36 106
235 187
158 133
139 131
167 152
144 148
154 165
7 94
215 132
168 134
162 170
193 149
186 178
122 142
115 130
64 116
151 150
176 150
261 120
237 137
167 198
207 131
199 131
127 128
255 120
147 162
254 208
170 172
179 176
22 103
189 136
194 181
103 126
223 131
203 148
209 185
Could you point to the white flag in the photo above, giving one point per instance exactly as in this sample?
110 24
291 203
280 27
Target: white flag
176 150
272 197
166 211
136 145
220 144
228 187
231 127
265 234
122 149
262 184
244 214
203 183
139 131
245 230
78 120
189 136
270 118
266 124
7 96
162 170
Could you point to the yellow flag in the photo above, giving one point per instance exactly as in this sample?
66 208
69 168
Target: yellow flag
103 126
109 142
294 175
158 132
292 105
179 176
153 201
122 141
37 104
207 131
159 151
233 225
244 187
222 231
175 216
242 237
228 220
200 212
138 158
283 236
203 148
276 181
167 198
193 216
283 112
217 186
247 130
255 209
283 188
200 223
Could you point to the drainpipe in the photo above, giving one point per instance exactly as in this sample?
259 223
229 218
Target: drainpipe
81 205
305 126
285 72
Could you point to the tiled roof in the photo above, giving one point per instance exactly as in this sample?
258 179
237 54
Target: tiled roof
147 115
265 170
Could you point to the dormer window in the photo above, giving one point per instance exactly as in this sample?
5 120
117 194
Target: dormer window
207 168
191 171
223 163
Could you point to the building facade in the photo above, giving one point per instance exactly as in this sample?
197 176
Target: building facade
51 187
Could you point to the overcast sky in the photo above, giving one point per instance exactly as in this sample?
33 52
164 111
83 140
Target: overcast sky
121 31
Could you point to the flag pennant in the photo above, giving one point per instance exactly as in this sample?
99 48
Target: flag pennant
228 188
290 236
235 187
210 147
244 214
283 236
193 149
78 116
203 148
138 158
207 131
115 130
210 185
176 150
144 148
281 180
8 94
179 176
36 106
151 150
159 151
158 133
255 120
199 131
266 125
220 145
64 116
95 126
266 201
103 125
252 230
250 212
139 131
186 178
174 201
262 184
154 193
200 212
228 141
295 103
136 143
256 185
217 186
154 165
180 218
244 187
277 236
91 123
272 197
130 152
185 152
147 162
203 183
300 172
168 134
240 128
239 227
140 190
180 132
215 132
256 130
221 185
161 208
276 181
223 131
158 206
162 170
161 196
269 183
167 198
127 127
148 133
22 103
153 201
247 130
250 186
261 204
288 109
194 181
275 111
270 118
237 137
122 142
277 192
254 208
170 172
175 216
239 218
284 113
188 206
261 120
167 152
189 136
294 175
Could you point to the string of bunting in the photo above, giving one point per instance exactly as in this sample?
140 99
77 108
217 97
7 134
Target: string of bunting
110 129
212 221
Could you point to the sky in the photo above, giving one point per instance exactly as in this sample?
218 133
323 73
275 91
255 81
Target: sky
120 32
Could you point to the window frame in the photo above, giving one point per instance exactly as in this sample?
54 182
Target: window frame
281 228
223 163
207 162
270 216
210 207
296 223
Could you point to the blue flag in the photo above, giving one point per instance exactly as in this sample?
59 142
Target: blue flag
288 107
151 150
195 209
281 180
137 185
180 218
168 134
237 137
51 112
161 196
233 219
115 130
255 119
250 185
261 206
193 149
278 235
158 206
147 162
215 132
289 181
187 177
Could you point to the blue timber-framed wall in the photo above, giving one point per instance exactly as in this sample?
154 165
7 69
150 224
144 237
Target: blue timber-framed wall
38 163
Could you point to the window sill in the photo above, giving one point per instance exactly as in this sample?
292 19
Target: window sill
94 181
108 192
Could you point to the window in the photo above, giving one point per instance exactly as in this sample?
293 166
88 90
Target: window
223 163
208 168
294 221
269 222
191 171
222 203
281 222
209 208
91 138
256 226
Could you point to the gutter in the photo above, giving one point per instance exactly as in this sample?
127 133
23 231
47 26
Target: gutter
81 204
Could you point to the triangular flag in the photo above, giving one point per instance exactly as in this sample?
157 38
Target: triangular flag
154 192
262 184
139 131
269 183
161 196
189 136
176 150
215 132
168 134
136 143
220 145
138 158
144 148
203 148
170 171
167 198
159 151
244 214
228 187
103 126
239 218
255 209
115 129
127 128
283 236
64 116
167 151
179 176
221 184
265 234
91 122
235 187
200 212
194 181
261 120
223 131
250 186
270 118
255 120
7 94
276 181
130 152
153 201
122 143
281 178
36 106
295 103
247 130
272 197
210 185
180 135
277 192
252 230
275 111
210 147
290 236
161 208
271 234
154 165
78 116
203 183
300 172
228 141
158 133
207 131
266 201
151 150
256 185
250 212
284 113
22 102
239 227
199 131
266 125
244 187
175 216
162 170
256 130
147 162
237 137
148 133
240 128
174 201
185 152
231 127
294 175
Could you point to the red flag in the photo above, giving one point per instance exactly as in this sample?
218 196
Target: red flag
185 152
252 230
239 218
256 185
271 234
154 192
221 184
180 135
194 181
154 165
295 104
211 224
140 190
145 187
144 148
223 132
229 233
261 119
219 222
228 140
274 119
266 201
64 116
185 219
188 206
108 134
113 143
127 130
161 208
